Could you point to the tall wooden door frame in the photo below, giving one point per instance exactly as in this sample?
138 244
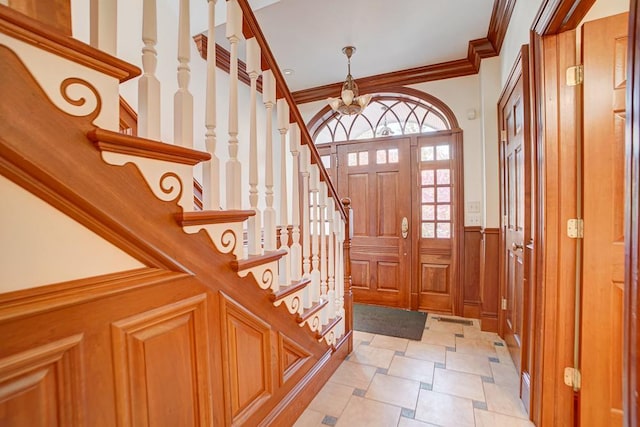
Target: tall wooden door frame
552 401
458 252
519 75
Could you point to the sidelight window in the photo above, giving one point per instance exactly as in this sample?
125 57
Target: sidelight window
435 185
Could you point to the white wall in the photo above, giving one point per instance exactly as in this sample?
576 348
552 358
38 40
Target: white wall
517 34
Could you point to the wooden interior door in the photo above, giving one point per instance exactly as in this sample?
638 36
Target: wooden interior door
514 161
376 176
604 50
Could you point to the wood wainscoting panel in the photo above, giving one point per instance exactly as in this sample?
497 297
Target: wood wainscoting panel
43 386
246 356
292 357
161 360
471 274
489 279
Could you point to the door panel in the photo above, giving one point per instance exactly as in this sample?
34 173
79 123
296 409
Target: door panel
604 54
376 176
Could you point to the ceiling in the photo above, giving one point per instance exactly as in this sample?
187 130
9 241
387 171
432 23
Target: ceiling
307 36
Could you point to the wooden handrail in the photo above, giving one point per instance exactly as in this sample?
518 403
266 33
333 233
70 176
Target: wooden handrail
252 29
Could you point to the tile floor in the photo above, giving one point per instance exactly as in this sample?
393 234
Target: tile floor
455 376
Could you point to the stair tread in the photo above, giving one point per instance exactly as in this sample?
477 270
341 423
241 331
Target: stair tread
213 217
307 313
255 260
116 142
328 327
287 290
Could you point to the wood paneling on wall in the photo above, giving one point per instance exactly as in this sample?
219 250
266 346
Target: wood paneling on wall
471 283
489 279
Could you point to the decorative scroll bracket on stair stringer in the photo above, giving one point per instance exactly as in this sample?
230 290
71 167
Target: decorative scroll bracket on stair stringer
224 236
265 275
166 179
314 322
86 91
293 302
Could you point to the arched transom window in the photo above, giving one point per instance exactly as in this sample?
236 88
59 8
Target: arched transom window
386 115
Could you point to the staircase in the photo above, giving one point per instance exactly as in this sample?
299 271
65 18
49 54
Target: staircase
233 316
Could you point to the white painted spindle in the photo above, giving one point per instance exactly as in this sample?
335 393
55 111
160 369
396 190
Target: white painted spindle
314 227
103 17
340 264
269 99
296 249
183 99
323 239
233 166
211 169
282 109
306 223
149 85
331 293
254 70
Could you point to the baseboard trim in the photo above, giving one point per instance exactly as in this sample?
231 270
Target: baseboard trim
489 323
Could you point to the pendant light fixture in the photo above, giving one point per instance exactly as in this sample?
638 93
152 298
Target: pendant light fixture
350 101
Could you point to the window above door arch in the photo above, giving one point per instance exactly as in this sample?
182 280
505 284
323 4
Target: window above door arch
401 112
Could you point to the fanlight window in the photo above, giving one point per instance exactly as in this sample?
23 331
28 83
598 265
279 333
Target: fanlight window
386 115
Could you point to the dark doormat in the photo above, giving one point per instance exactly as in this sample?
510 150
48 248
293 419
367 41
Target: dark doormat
393 322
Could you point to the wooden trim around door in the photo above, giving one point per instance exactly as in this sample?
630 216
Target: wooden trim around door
631 386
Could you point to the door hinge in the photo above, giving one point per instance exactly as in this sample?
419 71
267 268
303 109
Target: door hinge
575 75
572 378
504 304
575 228
503 135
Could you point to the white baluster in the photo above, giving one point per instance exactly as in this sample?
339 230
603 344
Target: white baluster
211 169
331 293
306 223
149 85
340 265
103 23
233 166
183 99
314 227
254 70
282 109
323 239
296 256
269 98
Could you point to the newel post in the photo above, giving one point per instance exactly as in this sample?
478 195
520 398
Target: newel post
348 296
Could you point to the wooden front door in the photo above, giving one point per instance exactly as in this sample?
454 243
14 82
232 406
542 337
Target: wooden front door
376 176
605 76
514 158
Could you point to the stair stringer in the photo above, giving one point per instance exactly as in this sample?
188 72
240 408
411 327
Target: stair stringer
115 203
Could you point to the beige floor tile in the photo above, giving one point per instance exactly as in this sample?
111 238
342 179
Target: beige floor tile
354 375
332 399
391 343
470 363
310 418
476 347
459 384
447 339
408 422
504 355
505 374
491 419
362 336
365 412
420 350
477 334
393 390
438 326
374 356
413 369
444 410
504 401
